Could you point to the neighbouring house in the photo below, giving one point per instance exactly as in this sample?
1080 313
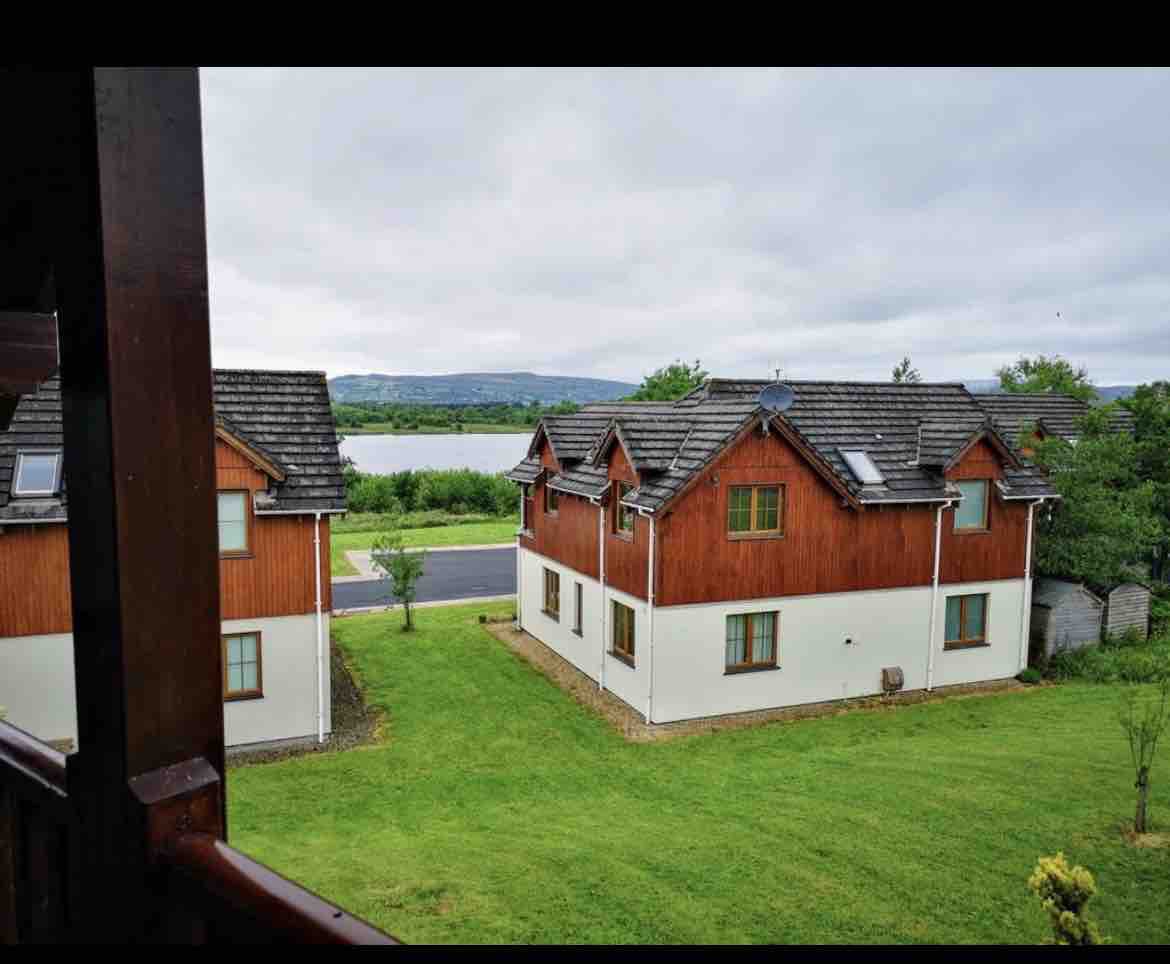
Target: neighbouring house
279 481
1043 415
729 552
1065 615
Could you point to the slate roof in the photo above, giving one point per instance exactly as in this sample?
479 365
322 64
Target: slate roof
909 431
1057 414
284 416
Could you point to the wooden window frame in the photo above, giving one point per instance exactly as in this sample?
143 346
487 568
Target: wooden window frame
781 512
963 642
249 516
552 500
732 669
621 512
256 694
625 652
983 528
578 608
58 470
554 614
526 508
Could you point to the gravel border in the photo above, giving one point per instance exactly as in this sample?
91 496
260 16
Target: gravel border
632 725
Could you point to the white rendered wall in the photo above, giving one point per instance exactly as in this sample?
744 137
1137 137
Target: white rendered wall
887 628
584 651
36 685
38 695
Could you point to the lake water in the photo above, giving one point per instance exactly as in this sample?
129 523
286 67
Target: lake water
393 453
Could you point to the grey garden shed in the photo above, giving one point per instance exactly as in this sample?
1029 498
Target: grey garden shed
1127 607
1065 615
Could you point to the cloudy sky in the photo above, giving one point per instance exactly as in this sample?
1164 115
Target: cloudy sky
603 223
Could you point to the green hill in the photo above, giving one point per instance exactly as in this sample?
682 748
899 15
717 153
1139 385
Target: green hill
475 388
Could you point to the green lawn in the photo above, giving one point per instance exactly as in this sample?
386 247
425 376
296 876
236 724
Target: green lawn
468 534
498 810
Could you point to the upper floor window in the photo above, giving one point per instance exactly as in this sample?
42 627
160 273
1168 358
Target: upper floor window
623 515
37 473
751 641
233 523
971 513
552 499
525 507
966 621
755 510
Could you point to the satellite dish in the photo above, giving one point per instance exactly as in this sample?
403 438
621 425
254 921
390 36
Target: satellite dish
777 398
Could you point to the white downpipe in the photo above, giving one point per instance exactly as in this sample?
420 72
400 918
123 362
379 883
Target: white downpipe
1025 602
320 634
934 593
601 578
650 626
520 568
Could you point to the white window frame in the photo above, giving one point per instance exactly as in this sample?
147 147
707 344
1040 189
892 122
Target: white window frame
32 453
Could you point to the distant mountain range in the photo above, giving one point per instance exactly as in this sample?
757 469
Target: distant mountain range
475 388
1107 393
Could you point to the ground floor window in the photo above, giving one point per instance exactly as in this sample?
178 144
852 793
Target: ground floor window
577 607
552 594
241 667
966 621
751 641
623 632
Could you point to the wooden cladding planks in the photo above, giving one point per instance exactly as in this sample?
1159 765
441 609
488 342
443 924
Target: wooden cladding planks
34 580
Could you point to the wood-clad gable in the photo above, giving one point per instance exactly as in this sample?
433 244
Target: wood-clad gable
626 558
570 535
274 579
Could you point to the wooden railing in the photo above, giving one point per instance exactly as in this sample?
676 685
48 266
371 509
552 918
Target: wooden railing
203 890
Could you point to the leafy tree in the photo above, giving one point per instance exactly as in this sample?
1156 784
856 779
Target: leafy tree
904 372
669 383
401 569
1144 721
1150 405
1047 374
1064 894
1105 522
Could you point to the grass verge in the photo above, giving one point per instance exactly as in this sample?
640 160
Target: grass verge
468 531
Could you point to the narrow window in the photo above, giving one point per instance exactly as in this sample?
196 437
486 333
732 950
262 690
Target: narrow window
755 510
751 641
552 499
623 515
233 523
552 594
966 621
241 667
971 513
37 473
577 607
525 507
623 632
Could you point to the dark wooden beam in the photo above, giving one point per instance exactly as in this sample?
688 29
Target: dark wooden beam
130 269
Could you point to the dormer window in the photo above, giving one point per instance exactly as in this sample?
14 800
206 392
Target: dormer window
971 513
37 473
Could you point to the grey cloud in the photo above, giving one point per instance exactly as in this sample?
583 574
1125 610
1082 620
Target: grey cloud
604 222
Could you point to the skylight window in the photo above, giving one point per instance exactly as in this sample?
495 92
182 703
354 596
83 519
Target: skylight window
861 465
37 473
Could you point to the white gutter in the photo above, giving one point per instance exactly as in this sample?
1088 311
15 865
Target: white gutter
934 593
1026 600
650 624
314 512
320 639
601 578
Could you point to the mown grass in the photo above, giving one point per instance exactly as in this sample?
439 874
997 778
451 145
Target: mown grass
470 530
498 810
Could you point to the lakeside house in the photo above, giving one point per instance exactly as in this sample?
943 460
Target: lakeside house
278 479
725 554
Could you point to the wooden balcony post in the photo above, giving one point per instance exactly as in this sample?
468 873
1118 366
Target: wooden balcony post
130 265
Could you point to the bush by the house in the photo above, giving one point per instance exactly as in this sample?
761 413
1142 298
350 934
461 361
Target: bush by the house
1118 660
